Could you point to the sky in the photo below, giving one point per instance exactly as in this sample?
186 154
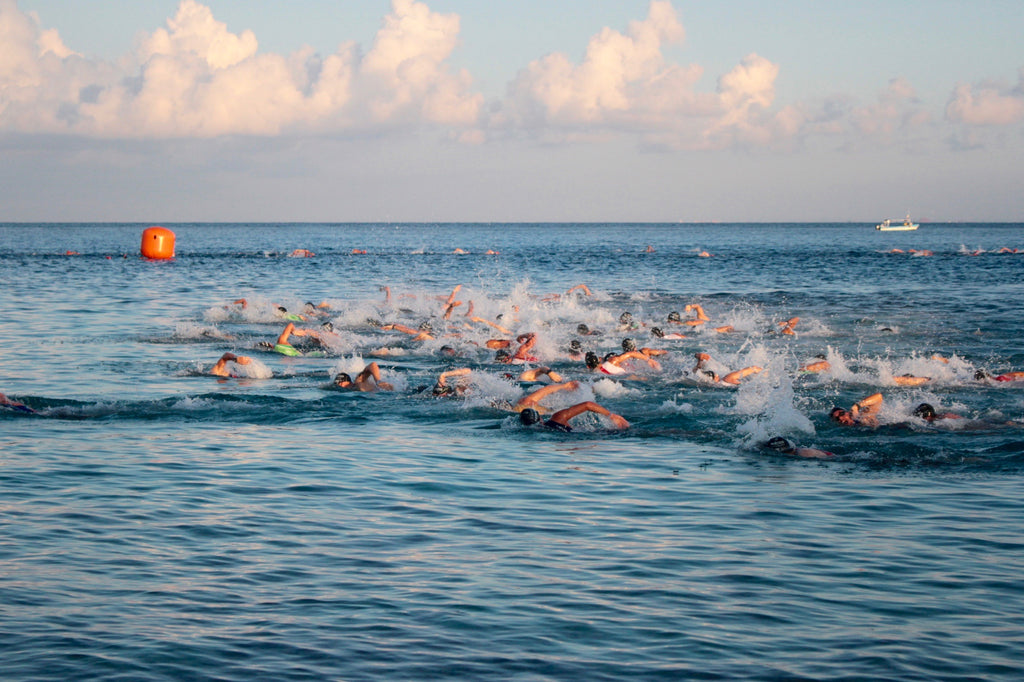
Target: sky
511 110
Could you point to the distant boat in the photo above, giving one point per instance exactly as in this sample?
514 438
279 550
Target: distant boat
888 225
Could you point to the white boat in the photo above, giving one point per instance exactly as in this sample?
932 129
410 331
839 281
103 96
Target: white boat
888 225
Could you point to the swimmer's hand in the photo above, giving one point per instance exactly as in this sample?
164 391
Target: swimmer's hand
618 421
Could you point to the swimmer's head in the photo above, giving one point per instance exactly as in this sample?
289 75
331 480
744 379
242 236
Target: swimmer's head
264 345
440 390
593 362
610 355
657 333
529 416
628 345
675 317
842 416
981 375
342 379
446 350
309 306
925 411
582 329
709 374
503 356
281 309
374 322
327 326
779 444
626 319
575 346
425 326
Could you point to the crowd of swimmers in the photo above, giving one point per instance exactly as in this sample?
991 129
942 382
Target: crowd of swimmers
454 318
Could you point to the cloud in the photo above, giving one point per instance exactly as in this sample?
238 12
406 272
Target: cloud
987 104
194 78
625 83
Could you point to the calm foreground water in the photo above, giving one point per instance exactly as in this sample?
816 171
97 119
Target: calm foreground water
160 523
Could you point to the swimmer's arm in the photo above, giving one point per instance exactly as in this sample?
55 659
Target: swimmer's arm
461 372
543 392
735 377
653 352
580 287
868 405
451 296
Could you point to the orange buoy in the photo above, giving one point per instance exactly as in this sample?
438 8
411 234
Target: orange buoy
157 243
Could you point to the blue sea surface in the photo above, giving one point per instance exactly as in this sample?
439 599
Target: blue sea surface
161 523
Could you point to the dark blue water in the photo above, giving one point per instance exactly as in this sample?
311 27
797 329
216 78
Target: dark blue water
162 523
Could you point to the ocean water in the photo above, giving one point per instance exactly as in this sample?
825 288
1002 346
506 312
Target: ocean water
161 523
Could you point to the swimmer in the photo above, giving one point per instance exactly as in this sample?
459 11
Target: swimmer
532 400
15 405
421 334
910 380
480 320
283 312
301 253
627 323
788 325
559 421
584 330
283 345
700 316
535 374
732 378
526 342
221 368
819 365
926 412
443 388
362 381
863 412
575 350
612 363
983 375
780 444
657 333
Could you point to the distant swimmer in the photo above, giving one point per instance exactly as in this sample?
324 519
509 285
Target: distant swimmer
627 323
733 378
788 326
522 354
657 333
283 344
16 405
927 412
532 400
781 445
222 369
700 317
301 253
423 333
818 365
584 330
559 421
983 375
531 375
443 388
460 252
480 320
910 380
579 287
863 412
367 381
612 363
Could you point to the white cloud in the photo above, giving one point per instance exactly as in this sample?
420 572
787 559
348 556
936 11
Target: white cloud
987 104
195 78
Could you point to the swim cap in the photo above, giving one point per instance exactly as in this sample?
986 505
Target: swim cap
440 390
281 309
374 322
780 444
656 331
425 326
981 375
342 378
674 317
628 345
626 318
327 326
609 355
592 360
575 345
529 416
582 329
503 356
446 350
925 411
835 411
